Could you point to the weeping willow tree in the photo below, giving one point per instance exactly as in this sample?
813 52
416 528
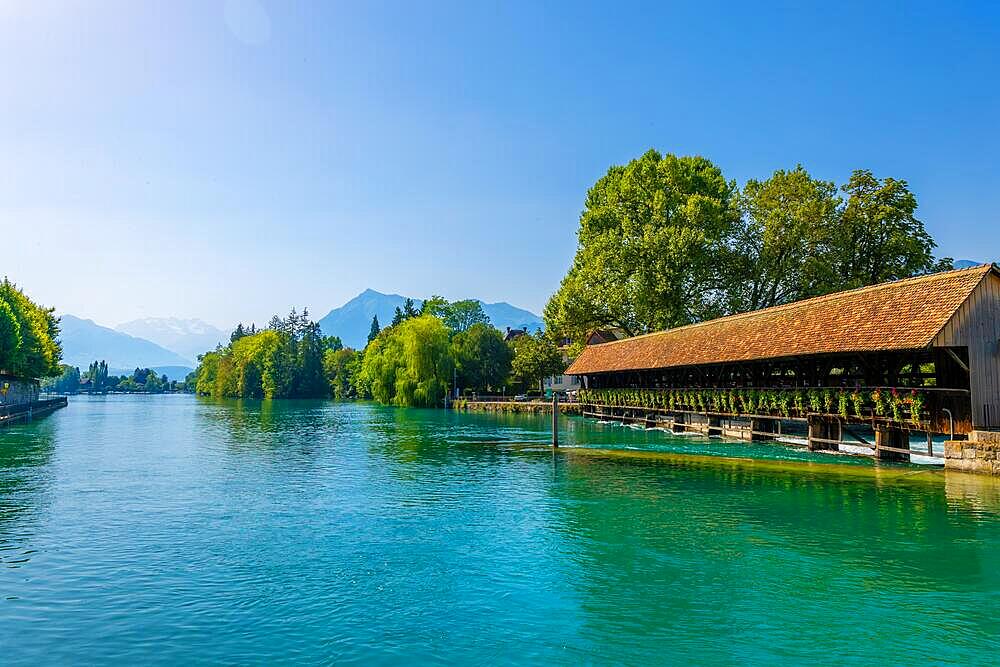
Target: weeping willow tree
408 364
29 335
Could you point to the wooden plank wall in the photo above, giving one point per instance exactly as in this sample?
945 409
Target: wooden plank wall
976 325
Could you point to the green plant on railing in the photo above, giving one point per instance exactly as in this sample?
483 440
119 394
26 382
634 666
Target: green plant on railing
815 400
858 402
775 402
785 403
878 402
828 401
800 402
896 404
916 401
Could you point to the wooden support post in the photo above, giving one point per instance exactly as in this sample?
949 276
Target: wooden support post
816 430
715 426
760 430
555 419
889 442
823 430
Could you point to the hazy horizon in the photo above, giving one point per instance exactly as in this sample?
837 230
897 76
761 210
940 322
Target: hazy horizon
226 161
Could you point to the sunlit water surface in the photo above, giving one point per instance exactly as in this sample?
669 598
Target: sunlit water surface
172 530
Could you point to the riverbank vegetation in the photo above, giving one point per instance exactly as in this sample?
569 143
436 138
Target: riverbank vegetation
666 241
29 335
415 361
97 380
285 360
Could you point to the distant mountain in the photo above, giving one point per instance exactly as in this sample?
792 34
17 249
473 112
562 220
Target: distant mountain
188 338
966 263
84 341
503 315
353 320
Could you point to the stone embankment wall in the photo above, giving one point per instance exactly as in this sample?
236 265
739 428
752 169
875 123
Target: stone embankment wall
979 454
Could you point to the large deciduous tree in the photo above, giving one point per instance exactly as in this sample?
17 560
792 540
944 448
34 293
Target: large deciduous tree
535 358
780 249
35 351
653 237
481 356
878 238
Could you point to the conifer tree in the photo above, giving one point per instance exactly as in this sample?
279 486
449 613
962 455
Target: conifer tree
373 332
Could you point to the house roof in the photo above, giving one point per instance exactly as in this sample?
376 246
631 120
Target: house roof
906 314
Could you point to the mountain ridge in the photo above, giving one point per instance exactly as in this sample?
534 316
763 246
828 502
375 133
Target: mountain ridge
186 337
84 341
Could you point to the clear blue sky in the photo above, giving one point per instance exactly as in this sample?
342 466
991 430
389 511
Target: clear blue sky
226 160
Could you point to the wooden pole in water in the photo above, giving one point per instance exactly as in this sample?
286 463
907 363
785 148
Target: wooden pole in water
555 419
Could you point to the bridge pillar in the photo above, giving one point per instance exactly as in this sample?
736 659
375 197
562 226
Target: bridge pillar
715 426
891 437
761 430
823 429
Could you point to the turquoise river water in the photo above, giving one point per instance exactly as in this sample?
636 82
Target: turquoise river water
175 530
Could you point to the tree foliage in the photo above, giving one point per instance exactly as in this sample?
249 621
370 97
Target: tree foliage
535 358
457 315
341 368
481 356
375 328
286 360
408 364
877 237
781 241
666 241
29 335
652 237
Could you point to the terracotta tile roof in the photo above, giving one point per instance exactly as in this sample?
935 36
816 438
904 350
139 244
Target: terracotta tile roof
906 314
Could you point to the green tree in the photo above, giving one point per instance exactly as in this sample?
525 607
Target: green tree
535 358
10 336
340 367
310 381
409 309
780 253
877 237
436 306
460 315
652 237
373 332
67 383
39 352
481 356
457 315
397 317
408 364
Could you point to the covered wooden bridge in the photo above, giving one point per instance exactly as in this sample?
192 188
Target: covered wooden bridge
919 354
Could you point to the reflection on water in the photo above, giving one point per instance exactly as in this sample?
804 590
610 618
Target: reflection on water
171 529
24 487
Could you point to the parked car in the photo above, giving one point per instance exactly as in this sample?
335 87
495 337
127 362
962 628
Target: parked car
521 398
